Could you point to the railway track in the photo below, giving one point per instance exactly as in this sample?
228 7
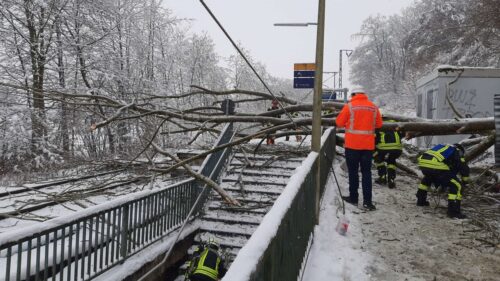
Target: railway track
256 181
33 197
32 187
53 202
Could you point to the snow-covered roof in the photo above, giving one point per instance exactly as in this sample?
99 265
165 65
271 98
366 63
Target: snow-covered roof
452 71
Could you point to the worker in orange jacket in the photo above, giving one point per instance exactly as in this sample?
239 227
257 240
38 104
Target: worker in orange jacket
360 117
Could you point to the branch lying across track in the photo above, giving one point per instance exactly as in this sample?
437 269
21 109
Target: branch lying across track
228 198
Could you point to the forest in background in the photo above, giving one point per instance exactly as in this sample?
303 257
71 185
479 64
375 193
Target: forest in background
128 50
397 50
139 53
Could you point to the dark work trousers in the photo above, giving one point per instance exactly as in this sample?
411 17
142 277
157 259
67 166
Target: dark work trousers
387 156
356 159
445 179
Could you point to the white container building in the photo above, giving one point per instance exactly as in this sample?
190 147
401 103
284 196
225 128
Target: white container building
471 90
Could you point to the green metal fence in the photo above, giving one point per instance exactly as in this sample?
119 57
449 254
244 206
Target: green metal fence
284 233
90 242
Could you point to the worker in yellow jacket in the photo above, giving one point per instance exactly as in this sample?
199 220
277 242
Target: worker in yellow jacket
441 166
388 148
207 264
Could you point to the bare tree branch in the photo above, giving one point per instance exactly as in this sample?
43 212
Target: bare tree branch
228 198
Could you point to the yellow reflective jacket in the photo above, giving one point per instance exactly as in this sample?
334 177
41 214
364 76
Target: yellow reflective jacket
208 264
444 157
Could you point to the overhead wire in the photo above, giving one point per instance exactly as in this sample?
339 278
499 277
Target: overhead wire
262 81
247 61
251 66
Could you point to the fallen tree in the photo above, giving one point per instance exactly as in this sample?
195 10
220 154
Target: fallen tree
198 120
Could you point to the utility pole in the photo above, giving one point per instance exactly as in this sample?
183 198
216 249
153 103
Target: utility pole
348 53
318 88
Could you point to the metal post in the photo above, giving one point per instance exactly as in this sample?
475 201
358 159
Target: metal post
318 85
340 69
124 232
348 53
334 75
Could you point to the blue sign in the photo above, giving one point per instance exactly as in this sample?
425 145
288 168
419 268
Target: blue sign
303 73
329 96
303 83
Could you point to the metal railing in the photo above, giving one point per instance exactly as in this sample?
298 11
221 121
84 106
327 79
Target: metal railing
285 232
213 165
87 243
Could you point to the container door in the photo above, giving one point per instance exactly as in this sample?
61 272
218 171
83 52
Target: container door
429 114
419 105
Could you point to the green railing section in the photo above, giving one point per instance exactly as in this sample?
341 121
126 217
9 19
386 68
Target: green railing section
277 248
87 243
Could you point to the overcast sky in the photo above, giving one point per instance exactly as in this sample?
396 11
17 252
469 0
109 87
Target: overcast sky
250 23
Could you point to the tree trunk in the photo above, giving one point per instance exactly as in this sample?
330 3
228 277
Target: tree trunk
37 55
83 73
122 125
62 84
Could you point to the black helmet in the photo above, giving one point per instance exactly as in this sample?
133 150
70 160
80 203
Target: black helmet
460 148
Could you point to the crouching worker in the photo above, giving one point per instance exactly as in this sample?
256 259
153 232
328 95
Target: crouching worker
207 264
388 149
440 166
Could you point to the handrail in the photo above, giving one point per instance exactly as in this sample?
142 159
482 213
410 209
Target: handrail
83 245
277 247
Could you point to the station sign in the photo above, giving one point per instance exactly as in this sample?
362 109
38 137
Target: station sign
304 66
303 83
303 75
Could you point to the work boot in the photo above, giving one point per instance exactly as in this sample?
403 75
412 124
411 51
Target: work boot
422 198
381 180
369 206
454 209
349 200
391 183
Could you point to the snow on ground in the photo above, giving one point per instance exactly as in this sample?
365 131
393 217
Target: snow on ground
38 197
399 241
333 256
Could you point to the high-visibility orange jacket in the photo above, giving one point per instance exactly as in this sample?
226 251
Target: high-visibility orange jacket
360 117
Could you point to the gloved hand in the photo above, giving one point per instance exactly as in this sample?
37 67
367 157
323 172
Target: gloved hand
466 180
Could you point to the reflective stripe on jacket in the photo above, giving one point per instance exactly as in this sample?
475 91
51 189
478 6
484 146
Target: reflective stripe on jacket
208 264
435 157
445 157
390 140
360 117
